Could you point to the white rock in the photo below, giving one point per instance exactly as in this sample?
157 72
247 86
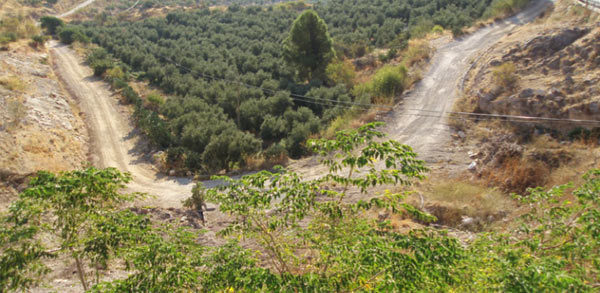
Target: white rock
467 220
472 166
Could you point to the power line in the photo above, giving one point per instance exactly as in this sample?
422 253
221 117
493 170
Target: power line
509 117
303 98
346 104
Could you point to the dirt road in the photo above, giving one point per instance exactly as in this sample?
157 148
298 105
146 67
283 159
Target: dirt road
74 9
419 120
112 132
115 143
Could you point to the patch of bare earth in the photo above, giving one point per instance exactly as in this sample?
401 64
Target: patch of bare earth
550 69
40 124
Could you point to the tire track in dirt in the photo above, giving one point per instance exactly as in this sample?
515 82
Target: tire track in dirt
114 139
112 134
419 120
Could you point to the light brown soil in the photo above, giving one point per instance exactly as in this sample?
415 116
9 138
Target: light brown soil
40 126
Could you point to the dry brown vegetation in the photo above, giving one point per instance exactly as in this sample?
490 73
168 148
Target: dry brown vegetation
13 83
545 69
459 203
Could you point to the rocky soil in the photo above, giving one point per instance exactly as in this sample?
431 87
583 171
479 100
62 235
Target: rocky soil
558 69
557 73
40 124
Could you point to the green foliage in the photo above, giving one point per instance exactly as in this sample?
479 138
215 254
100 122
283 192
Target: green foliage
341 72
388 82
229 149
81 209
187 53
581 133
339 249
167 260
556 246
70 34
20 254
155 100
437 29
197 200
311 236
308 48
51 24
38 41
503 8
116 73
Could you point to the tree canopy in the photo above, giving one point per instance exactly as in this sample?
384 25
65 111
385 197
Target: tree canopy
225 71
311 239
309 48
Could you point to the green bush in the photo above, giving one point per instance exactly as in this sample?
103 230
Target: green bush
437 29
51 24
38 41
503 8
389 81
155 100
101 66
69 34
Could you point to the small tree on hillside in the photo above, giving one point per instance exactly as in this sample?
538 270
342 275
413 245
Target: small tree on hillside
308 48
51 24
80 209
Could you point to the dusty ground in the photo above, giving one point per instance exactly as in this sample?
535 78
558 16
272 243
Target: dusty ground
557 70
40 125
420 120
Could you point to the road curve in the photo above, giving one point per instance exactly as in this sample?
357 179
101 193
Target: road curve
74 9
112 132
114 141
419 120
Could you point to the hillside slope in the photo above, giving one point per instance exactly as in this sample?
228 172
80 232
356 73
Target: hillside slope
547 69
40 124
116 143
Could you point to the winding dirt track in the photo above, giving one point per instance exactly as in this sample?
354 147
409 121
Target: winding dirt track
112 133
427 131
114 141
74 9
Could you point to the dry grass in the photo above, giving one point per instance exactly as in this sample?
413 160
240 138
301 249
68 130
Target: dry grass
16 24
454 200
257 162
13 83
505 76
350 120
418 51
17 112
518 174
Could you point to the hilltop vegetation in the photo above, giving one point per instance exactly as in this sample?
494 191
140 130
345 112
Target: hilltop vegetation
229 85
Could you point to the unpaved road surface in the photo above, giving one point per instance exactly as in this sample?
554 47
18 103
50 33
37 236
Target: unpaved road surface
419 121
79 6
112 133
